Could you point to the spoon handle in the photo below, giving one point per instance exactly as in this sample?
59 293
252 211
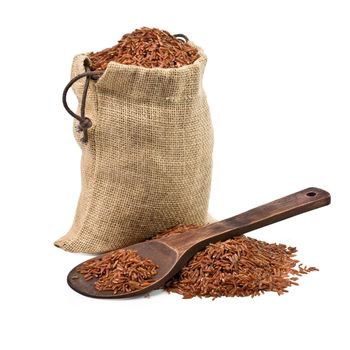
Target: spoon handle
280 209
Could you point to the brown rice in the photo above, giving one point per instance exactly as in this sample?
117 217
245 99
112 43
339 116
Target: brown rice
120 271
242 266
146 47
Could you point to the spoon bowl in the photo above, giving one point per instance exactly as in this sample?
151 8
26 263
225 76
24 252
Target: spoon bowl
161 254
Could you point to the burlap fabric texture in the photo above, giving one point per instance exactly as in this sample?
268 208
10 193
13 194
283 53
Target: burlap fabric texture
147 163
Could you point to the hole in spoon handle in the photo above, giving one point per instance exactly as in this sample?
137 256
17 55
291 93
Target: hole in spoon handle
318 194
311 194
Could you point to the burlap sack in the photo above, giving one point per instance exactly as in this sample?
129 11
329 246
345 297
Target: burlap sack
147 163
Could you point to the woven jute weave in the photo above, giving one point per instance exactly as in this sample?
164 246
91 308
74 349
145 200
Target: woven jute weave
147 163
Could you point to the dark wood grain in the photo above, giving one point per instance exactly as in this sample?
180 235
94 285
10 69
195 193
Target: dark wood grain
173 252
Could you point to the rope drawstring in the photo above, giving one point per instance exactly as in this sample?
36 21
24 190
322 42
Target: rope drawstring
181 37
84 122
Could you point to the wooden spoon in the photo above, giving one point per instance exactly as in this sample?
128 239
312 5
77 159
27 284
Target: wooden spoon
173 252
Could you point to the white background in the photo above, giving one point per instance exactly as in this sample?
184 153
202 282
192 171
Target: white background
278 85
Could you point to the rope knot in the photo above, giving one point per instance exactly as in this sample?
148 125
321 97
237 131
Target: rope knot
84 124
